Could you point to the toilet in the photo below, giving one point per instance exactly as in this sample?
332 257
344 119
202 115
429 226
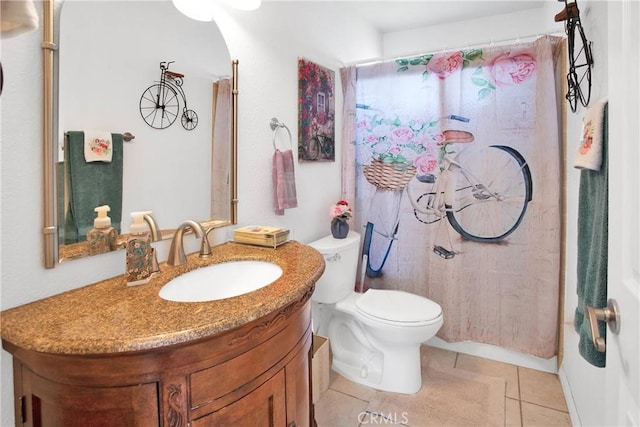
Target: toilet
375 336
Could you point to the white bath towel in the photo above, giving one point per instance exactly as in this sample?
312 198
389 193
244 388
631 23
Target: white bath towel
17 17
98 146
589 154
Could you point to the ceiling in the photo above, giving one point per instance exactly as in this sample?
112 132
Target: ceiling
392 15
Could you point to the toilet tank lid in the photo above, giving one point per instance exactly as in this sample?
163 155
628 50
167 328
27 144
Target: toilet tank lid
329 244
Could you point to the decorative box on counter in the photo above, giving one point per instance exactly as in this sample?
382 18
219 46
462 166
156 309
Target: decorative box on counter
261 235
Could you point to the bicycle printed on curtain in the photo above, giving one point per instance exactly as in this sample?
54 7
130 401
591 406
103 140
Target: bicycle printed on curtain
481 190
316 112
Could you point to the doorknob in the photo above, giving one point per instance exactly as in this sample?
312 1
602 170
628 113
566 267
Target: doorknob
610 315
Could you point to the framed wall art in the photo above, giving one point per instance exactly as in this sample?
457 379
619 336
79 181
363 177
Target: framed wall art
316 112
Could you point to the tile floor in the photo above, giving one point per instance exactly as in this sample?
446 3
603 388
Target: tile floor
532 398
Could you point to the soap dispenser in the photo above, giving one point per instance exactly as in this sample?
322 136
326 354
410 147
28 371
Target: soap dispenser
102 237
139 251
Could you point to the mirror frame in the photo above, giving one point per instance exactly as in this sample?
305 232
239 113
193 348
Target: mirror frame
49 114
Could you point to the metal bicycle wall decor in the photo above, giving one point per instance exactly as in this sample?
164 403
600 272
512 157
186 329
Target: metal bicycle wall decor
580 57
160 102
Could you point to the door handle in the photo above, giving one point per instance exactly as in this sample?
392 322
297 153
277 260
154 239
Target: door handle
610 315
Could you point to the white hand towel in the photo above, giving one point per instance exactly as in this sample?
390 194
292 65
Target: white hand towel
97 146
589 155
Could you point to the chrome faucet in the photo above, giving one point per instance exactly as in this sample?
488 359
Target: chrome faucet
155 237
176 252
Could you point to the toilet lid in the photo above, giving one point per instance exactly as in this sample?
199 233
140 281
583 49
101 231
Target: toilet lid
398 306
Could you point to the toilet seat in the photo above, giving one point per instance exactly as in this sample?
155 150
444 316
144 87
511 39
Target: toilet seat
398 308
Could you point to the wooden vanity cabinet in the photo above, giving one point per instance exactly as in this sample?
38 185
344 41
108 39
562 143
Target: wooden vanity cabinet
254 375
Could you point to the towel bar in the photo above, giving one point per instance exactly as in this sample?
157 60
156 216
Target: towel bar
126 136
275 125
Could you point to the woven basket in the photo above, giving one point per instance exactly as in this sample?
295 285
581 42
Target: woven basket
387 177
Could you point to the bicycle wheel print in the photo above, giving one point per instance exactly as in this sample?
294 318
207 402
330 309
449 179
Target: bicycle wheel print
159 106
492 194
376 247
381 230
312 148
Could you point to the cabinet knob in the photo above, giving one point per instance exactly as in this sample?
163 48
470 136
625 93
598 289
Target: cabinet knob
292 424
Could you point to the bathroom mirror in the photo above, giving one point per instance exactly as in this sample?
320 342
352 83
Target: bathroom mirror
109 53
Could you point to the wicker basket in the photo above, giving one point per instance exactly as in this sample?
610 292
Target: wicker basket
386 176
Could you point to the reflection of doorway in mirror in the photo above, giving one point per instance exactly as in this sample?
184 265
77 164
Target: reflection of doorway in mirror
221 149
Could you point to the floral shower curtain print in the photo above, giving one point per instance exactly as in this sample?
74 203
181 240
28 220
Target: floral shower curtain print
316 112
458 184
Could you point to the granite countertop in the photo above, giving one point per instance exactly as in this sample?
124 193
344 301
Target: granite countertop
111 317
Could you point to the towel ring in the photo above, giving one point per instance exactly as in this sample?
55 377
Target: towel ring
275 126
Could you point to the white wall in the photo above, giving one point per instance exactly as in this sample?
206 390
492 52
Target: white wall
267 43
482 31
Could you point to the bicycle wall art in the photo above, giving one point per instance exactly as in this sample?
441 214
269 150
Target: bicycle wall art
160 102
316 112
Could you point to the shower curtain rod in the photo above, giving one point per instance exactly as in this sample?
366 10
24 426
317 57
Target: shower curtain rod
519 39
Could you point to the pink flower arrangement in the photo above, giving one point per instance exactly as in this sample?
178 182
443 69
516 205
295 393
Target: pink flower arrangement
340 211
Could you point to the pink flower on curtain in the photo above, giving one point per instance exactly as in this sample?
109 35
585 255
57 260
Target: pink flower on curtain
507 69
425 163
445 64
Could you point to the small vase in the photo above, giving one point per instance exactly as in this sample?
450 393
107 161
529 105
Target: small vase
339 228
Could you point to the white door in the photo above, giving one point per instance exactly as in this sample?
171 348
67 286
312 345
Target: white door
622 388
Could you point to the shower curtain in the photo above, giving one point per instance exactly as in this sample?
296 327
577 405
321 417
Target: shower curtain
474 135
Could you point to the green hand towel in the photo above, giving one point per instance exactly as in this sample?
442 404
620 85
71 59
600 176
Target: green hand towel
593 217
90 185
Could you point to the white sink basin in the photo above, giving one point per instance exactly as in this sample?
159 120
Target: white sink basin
219 281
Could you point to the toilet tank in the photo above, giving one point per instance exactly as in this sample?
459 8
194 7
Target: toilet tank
339 277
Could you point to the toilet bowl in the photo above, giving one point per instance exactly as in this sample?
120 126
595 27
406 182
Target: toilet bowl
375 336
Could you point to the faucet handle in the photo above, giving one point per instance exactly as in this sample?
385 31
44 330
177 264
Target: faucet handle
205 247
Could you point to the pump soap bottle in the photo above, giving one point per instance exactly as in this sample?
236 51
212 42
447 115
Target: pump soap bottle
102 237
139 251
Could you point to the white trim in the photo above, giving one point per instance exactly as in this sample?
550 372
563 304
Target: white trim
568 397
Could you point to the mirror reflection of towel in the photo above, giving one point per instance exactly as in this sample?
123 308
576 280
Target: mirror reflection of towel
284 181
17 17
98 146
90 185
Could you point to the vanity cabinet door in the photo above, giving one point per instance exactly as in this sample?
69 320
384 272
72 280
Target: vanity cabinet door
298 380
265 406
46 403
